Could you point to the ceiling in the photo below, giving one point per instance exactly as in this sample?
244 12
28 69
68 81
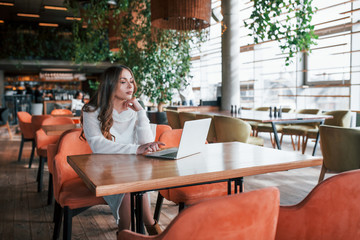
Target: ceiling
9 14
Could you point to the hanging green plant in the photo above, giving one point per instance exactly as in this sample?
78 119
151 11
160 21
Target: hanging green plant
288 22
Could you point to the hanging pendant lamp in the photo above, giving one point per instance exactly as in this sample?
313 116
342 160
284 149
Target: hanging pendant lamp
181 15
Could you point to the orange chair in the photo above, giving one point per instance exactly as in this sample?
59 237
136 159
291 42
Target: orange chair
51 152
185 195
160 128
27 134
43 140
72 196
331 211
249 216
61 112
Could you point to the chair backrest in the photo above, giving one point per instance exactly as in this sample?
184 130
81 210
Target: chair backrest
211 137
160 128
331 211
37 121
186 116
4 114
57 121
171 138
69 144
229 129
287 110
262 109
173 119
252 215
342 118
309 111
340 148
61 112
51 152
25 125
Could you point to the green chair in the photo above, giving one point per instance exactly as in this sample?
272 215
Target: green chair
340 118
211 138
267 127
173 119
300 130
254 124
340 148
186 116
229 129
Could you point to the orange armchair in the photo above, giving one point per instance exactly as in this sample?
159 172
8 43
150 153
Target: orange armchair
185 195
160 128
250 216
331 211
72 196
27 134
43 140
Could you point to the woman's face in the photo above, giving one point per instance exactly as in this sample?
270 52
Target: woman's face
125 86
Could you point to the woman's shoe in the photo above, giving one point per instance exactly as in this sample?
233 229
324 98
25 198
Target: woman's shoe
153 229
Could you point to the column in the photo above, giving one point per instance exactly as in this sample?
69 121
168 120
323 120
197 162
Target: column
230 89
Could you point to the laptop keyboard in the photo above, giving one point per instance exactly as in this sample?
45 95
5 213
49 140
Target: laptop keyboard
170 155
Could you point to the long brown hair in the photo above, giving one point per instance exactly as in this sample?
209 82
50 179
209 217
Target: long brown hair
103 99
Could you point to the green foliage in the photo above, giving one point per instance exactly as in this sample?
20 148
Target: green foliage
294 34
32 42
159 59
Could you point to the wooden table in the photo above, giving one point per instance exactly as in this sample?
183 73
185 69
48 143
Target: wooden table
107 174
53 130
285 118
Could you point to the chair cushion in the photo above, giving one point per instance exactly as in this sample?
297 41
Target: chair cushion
42 152
193 194
266 127
297 129
75 194
312 133
258 141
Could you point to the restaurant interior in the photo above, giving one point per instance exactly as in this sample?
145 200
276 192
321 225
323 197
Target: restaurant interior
261 99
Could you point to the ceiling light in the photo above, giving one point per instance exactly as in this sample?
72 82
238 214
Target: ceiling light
28 15
1 21
6 4
56 8
48 24
73 18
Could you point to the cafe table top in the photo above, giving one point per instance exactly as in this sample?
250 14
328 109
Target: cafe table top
107 174
264 116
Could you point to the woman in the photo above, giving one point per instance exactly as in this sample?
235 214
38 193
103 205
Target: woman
114 122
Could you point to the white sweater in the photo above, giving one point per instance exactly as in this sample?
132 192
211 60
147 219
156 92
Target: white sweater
130 128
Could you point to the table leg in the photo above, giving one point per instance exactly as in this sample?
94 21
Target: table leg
132 212
238 185
317 139
138 211
276 135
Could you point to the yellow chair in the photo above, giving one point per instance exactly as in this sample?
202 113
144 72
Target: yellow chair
211 137
186 116
254 124
340 148
229 129
267 127
173 119
300 130
341 118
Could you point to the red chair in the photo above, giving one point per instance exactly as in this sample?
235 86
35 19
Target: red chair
27 134
42 142
250 216
61 112
72 196
331 211
185 195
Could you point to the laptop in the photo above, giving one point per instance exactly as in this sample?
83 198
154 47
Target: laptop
192 140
